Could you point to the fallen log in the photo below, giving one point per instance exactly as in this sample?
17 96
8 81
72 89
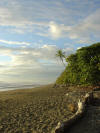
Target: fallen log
68 123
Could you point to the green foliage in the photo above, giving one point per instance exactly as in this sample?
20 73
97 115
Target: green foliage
83 67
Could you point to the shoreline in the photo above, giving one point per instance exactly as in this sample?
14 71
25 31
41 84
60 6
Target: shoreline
5 90
19 88
37 110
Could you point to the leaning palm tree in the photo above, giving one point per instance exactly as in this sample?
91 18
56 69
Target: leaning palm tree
61 55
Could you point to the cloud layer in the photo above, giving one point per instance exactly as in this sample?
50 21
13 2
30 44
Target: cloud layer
54 19
67 24
14 42
31 63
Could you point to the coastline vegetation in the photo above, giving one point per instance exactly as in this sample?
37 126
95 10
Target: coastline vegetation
83 67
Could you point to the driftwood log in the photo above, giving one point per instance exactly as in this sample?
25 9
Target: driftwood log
67 123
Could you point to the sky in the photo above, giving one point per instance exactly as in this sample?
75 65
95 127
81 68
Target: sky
31 32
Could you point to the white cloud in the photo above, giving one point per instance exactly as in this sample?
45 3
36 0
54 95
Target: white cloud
14 42
54 30
31 15
31 63
84 30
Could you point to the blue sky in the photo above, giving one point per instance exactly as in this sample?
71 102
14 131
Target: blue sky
31 31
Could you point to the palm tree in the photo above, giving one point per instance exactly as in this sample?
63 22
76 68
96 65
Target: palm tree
61 55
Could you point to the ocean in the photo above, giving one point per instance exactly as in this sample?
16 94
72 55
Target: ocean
14 86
